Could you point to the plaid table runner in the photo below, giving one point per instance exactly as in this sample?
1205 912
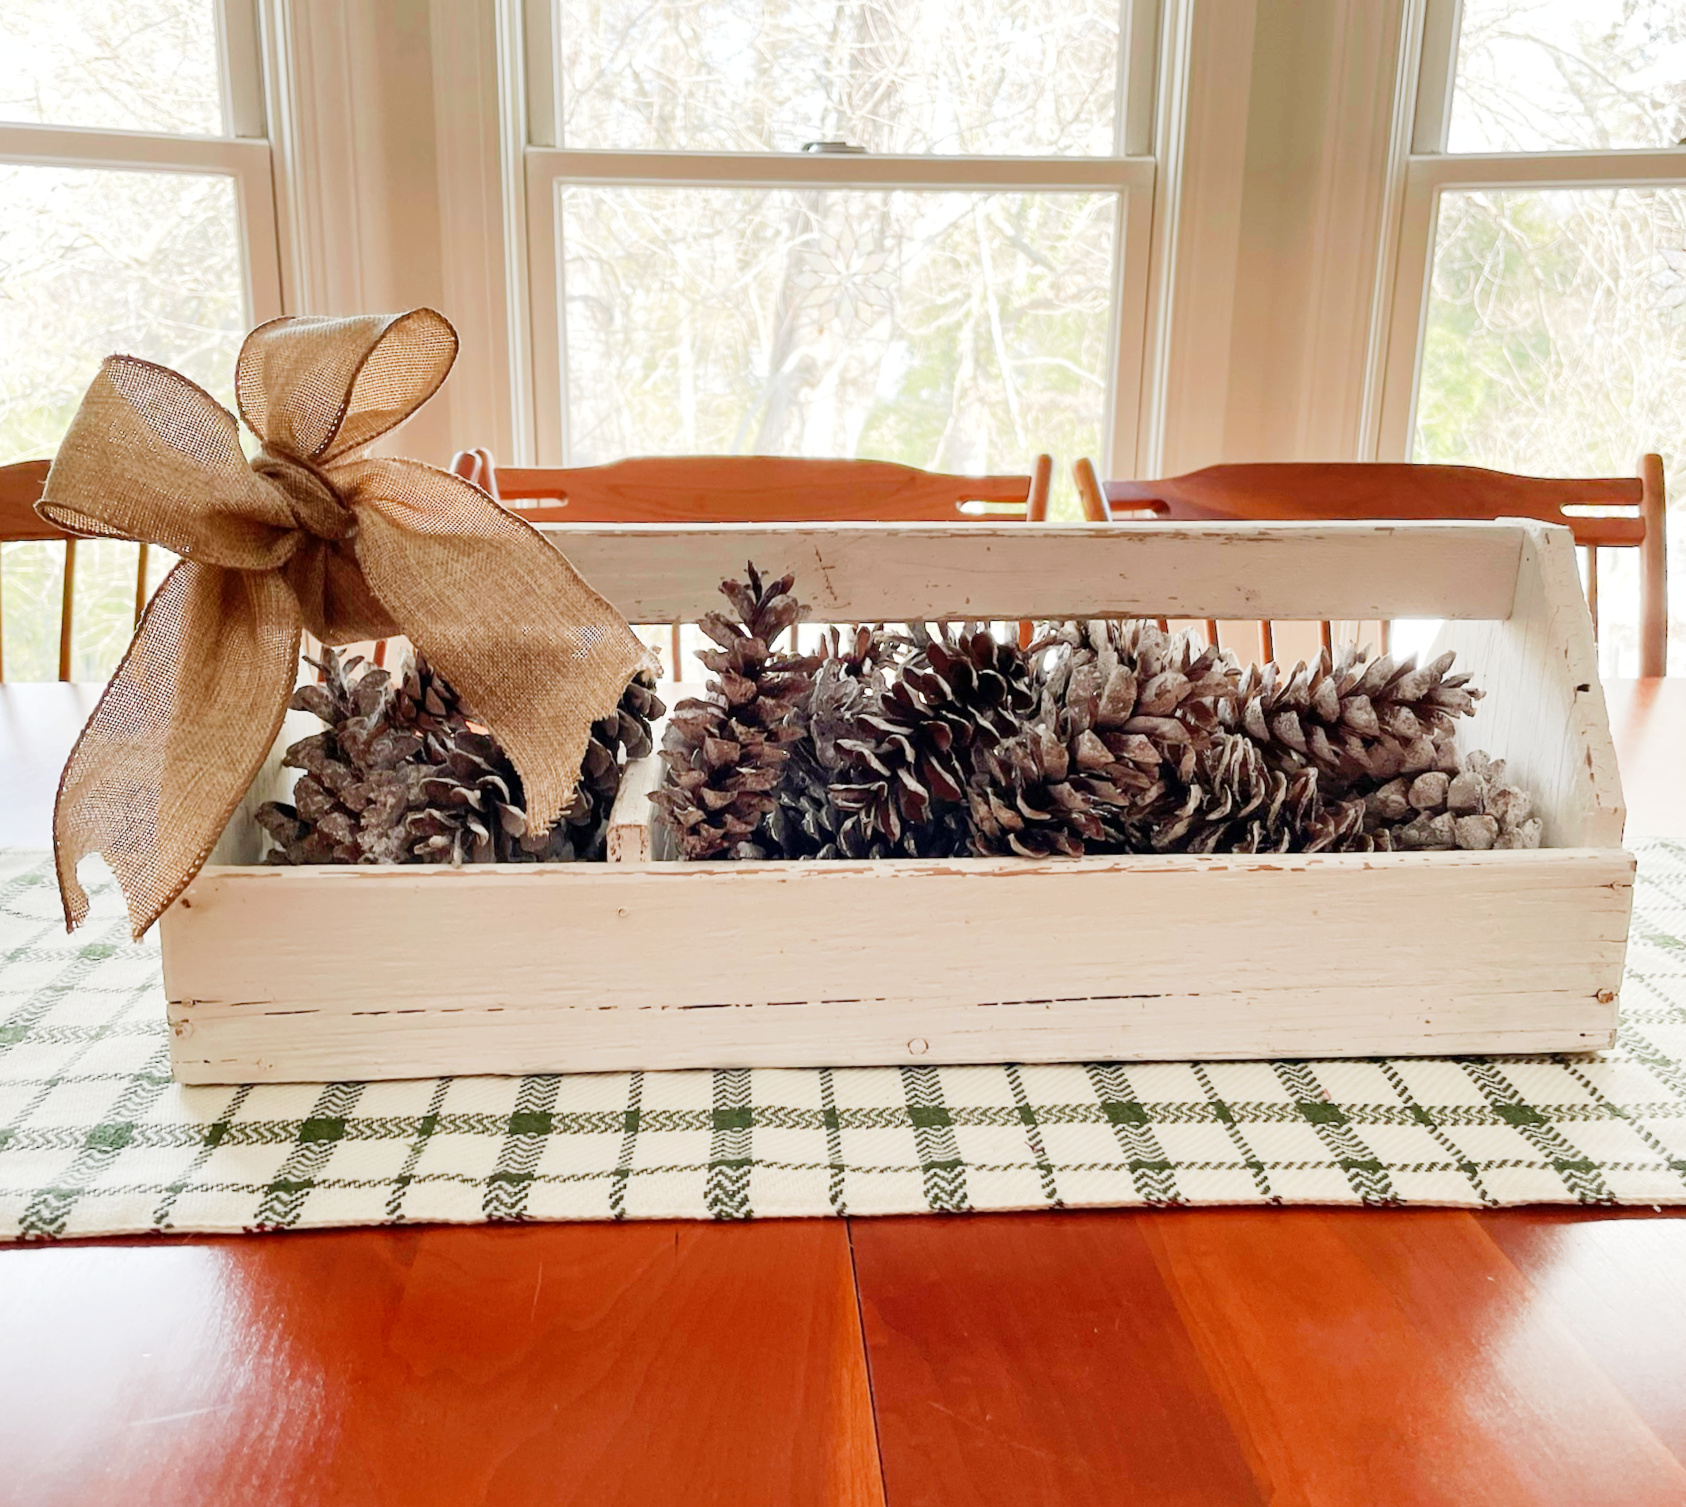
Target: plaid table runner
95 1138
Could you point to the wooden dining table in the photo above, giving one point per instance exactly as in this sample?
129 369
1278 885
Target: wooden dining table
1229 1356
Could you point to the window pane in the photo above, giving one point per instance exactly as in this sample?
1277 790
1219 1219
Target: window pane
944 76
91 263
1556 344
127 65
1569 75
957 331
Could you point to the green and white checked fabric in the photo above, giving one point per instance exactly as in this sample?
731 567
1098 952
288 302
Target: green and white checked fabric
96 1139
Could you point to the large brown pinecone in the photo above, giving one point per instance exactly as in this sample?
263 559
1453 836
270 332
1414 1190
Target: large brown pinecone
355 774
911 754
853 672
403 774
726 751
1153 700
1359 724
1054 788
1237 802
1126 712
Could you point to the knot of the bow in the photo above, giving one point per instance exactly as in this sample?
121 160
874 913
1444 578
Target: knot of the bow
316 506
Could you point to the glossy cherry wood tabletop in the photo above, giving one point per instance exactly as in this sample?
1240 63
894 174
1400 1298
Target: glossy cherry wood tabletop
546 1364
1648 722
1243 1356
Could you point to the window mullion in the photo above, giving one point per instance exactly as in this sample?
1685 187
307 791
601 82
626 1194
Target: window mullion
539 46
1138 73
1441 21
780 169
240 55
1626 169
79 146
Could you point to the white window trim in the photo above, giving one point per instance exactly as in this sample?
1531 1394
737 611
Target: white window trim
530 268
1428 171
243 154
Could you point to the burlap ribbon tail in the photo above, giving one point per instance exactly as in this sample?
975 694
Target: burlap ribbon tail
313 534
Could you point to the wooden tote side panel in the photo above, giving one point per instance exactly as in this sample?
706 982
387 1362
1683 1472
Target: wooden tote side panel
1544 711
723 965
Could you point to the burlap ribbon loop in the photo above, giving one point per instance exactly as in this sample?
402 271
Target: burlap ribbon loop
314 533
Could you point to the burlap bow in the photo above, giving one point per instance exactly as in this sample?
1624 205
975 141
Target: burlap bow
312 534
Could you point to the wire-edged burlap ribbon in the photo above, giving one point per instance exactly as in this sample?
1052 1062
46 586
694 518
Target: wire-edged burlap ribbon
313 533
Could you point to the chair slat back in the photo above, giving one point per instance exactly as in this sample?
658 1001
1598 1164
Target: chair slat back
755 489
20 490
21 485
1631 515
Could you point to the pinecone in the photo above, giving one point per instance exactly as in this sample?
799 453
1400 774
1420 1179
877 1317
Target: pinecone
403 774
1152 700
427 701
726 751
1055 788
465 801
464 806
355 774
469 806
1474 808
852 675
911 754
1360 725
1238 803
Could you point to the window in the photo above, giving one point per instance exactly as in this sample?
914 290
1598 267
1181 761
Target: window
136 214
1540 314
839 227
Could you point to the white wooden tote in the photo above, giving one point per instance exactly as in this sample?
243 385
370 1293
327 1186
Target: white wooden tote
311 974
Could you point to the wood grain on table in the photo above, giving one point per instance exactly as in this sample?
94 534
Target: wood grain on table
557 1364
1268 1355
1288 1356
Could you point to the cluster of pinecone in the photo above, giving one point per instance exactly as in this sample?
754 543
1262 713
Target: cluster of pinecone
1102 737
402 773
1473 808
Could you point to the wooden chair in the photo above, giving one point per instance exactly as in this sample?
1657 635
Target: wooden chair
1629 516
20 489
755 489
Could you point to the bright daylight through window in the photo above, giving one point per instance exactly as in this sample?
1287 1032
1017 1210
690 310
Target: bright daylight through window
1555 332
809 229
146 258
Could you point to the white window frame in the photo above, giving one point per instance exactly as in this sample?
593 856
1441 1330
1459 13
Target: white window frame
1429 170
242 153
536 169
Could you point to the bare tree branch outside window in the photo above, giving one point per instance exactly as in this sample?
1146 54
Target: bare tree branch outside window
965 330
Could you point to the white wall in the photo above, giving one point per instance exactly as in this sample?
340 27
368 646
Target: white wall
1274 293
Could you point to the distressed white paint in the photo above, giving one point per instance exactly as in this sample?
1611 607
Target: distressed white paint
892 572
306 974
277 974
